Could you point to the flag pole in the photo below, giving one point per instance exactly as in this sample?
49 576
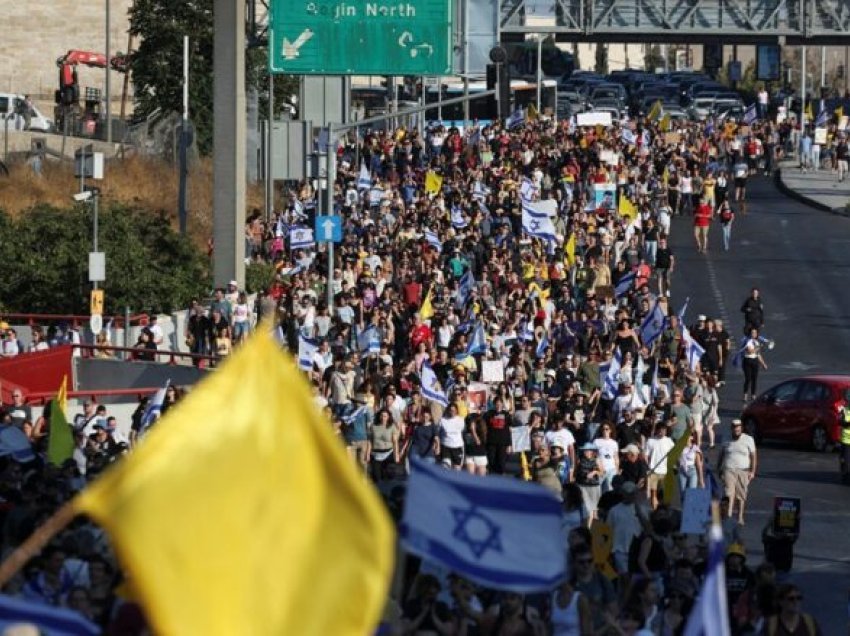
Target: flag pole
36 541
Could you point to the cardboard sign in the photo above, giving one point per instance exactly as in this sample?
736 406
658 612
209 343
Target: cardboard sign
610 157
672 138
696 511
820 135
593 119
492 371
476 397
842 123
520 438
786 515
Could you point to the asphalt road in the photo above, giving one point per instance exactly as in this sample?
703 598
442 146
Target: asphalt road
799 258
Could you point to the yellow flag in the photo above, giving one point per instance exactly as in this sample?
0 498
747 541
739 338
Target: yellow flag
673 459
809 114
626 208
240 513
523 467
433 182
664 124
427 308
665 177
62 396
532 113
570 250
839 112
655 111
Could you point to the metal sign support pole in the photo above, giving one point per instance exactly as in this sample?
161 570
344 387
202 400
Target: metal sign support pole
331 210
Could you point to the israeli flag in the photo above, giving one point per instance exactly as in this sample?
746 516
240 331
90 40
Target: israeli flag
369 340
655 383
431 386
750 115
464 288
709 126
479 191
527 190
542 345
640 371
458 220
823 116
683 311
547 208
376 194
478 528
154 408
46 619
526 333
624 284
301 238
693 349
307 348
645 139
433 240
653 325
478 342
538 227
710 614
516 119
628 136
612 372
364 179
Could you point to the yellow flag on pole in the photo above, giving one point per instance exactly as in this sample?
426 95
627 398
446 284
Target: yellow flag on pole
532 114
673 459
240 513
62 396
655 111
570 250
839 112
433 182
664 124
809 114
626 208
426 310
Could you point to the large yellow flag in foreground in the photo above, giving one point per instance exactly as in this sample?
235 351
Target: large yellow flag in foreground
241 514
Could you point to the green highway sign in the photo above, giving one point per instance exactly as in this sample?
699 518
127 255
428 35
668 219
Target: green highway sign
360 37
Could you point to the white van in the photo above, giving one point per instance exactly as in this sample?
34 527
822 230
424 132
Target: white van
11 109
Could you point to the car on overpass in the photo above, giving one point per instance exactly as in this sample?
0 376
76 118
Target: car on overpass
803 410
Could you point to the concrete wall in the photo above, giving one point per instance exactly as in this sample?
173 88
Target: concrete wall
36 32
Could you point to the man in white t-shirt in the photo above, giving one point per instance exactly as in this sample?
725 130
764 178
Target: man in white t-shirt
156 331
657 448
451 438
563 437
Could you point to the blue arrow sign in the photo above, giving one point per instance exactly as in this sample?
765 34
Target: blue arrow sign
329 229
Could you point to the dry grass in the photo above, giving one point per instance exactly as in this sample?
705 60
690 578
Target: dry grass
141 182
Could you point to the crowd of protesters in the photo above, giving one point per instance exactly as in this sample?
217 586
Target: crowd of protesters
462 334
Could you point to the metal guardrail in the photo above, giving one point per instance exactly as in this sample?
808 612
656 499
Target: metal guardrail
89 351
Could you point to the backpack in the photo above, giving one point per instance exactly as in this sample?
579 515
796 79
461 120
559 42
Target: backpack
773 623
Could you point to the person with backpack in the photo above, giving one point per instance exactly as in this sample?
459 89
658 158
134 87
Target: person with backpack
726 216
790 620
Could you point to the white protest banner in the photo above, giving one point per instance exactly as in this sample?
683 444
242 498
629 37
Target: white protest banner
520 438
492 371
602 118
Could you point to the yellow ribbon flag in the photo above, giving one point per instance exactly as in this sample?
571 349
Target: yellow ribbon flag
808 113
655 111
426 310
433 182
524 469
240 513
60 438
839 112
673 459
601 545
626 208
532 113
570 250
664 124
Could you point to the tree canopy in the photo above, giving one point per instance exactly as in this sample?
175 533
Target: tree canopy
149 266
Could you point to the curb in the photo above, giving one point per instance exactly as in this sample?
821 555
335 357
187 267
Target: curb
794 194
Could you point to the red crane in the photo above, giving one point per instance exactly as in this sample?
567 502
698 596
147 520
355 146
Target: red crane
68 94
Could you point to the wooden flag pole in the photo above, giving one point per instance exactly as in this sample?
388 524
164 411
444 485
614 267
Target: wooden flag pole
36 541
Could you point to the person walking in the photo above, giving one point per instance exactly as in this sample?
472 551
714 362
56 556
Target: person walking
702 221
751 360
726 216
753 310
790 620
738 463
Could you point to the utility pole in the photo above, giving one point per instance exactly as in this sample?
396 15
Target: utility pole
108 80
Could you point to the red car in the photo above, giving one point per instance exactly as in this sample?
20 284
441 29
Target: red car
802 410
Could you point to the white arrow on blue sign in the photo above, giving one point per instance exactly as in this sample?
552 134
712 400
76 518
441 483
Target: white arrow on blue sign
329 229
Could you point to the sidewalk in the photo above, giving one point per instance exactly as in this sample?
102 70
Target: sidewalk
819 189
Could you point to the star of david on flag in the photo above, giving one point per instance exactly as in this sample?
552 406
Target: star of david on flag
479 528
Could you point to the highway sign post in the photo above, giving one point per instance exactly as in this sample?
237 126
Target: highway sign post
328 229
361 37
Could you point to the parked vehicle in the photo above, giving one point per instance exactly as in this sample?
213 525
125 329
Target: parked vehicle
12 109
803 410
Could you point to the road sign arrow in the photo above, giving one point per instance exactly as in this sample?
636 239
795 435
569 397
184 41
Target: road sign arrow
290 49
328 227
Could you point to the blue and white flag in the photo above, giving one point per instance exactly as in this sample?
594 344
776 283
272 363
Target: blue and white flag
645 139
526 333
298 208
431 386
683 311
478 342
628 136
653 325
433 240
516 119
301 238
55 621
364 179
478 528
479 191
624 284
527 190
709 125
542 345
610 372
545 209
823 116
693 349
710 614
538 227
154 408
464 288
369 340
750 115
307 348
655 383
458 220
